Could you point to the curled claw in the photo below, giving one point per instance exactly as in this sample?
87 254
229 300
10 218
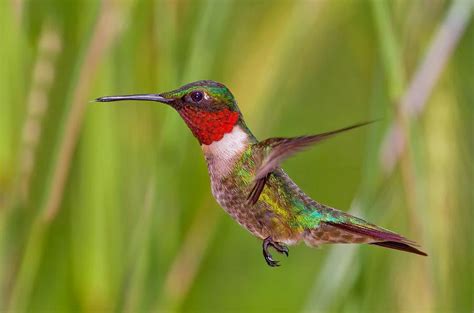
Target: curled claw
284 250
272 262
280 248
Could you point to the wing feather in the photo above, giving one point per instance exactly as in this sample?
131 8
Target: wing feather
276 150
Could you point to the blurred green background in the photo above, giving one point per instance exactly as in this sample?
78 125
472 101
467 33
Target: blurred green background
107 207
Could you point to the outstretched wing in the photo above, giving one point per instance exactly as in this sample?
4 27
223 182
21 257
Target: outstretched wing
275 150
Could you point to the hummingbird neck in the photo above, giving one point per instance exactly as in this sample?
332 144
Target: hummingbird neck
209 127
221 156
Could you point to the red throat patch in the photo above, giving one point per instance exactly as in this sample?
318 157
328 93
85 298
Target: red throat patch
206 126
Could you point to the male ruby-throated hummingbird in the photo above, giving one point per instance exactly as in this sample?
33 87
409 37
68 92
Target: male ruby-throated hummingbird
247 181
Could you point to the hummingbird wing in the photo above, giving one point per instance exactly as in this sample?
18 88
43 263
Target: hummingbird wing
275 150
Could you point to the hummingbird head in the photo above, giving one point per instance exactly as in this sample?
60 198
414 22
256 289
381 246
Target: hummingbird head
208 108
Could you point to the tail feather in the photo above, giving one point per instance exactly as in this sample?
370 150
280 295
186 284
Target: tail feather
399 246
379 236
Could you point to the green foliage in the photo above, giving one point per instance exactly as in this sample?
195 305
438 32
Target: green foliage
107 206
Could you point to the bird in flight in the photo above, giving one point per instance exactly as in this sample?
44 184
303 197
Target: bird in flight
249 184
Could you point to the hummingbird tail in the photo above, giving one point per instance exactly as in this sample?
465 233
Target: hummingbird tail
375 235
399 246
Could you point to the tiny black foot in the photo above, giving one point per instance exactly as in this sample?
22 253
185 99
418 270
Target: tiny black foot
268 242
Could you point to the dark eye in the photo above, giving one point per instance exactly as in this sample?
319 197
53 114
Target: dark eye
196 96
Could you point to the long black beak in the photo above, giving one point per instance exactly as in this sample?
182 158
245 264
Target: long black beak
142 97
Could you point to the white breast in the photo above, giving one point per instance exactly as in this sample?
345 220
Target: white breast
221 155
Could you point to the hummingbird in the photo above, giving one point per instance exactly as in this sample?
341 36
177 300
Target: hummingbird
248 182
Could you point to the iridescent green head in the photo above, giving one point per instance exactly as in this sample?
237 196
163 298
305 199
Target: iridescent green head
205 94
207 107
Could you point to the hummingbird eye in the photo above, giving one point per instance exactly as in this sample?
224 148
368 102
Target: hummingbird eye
197 96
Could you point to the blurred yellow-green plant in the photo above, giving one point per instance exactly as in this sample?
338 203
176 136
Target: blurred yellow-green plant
107 207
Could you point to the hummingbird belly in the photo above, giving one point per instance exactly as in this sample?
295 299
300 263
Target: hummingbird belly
267 217
231 165
271 215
